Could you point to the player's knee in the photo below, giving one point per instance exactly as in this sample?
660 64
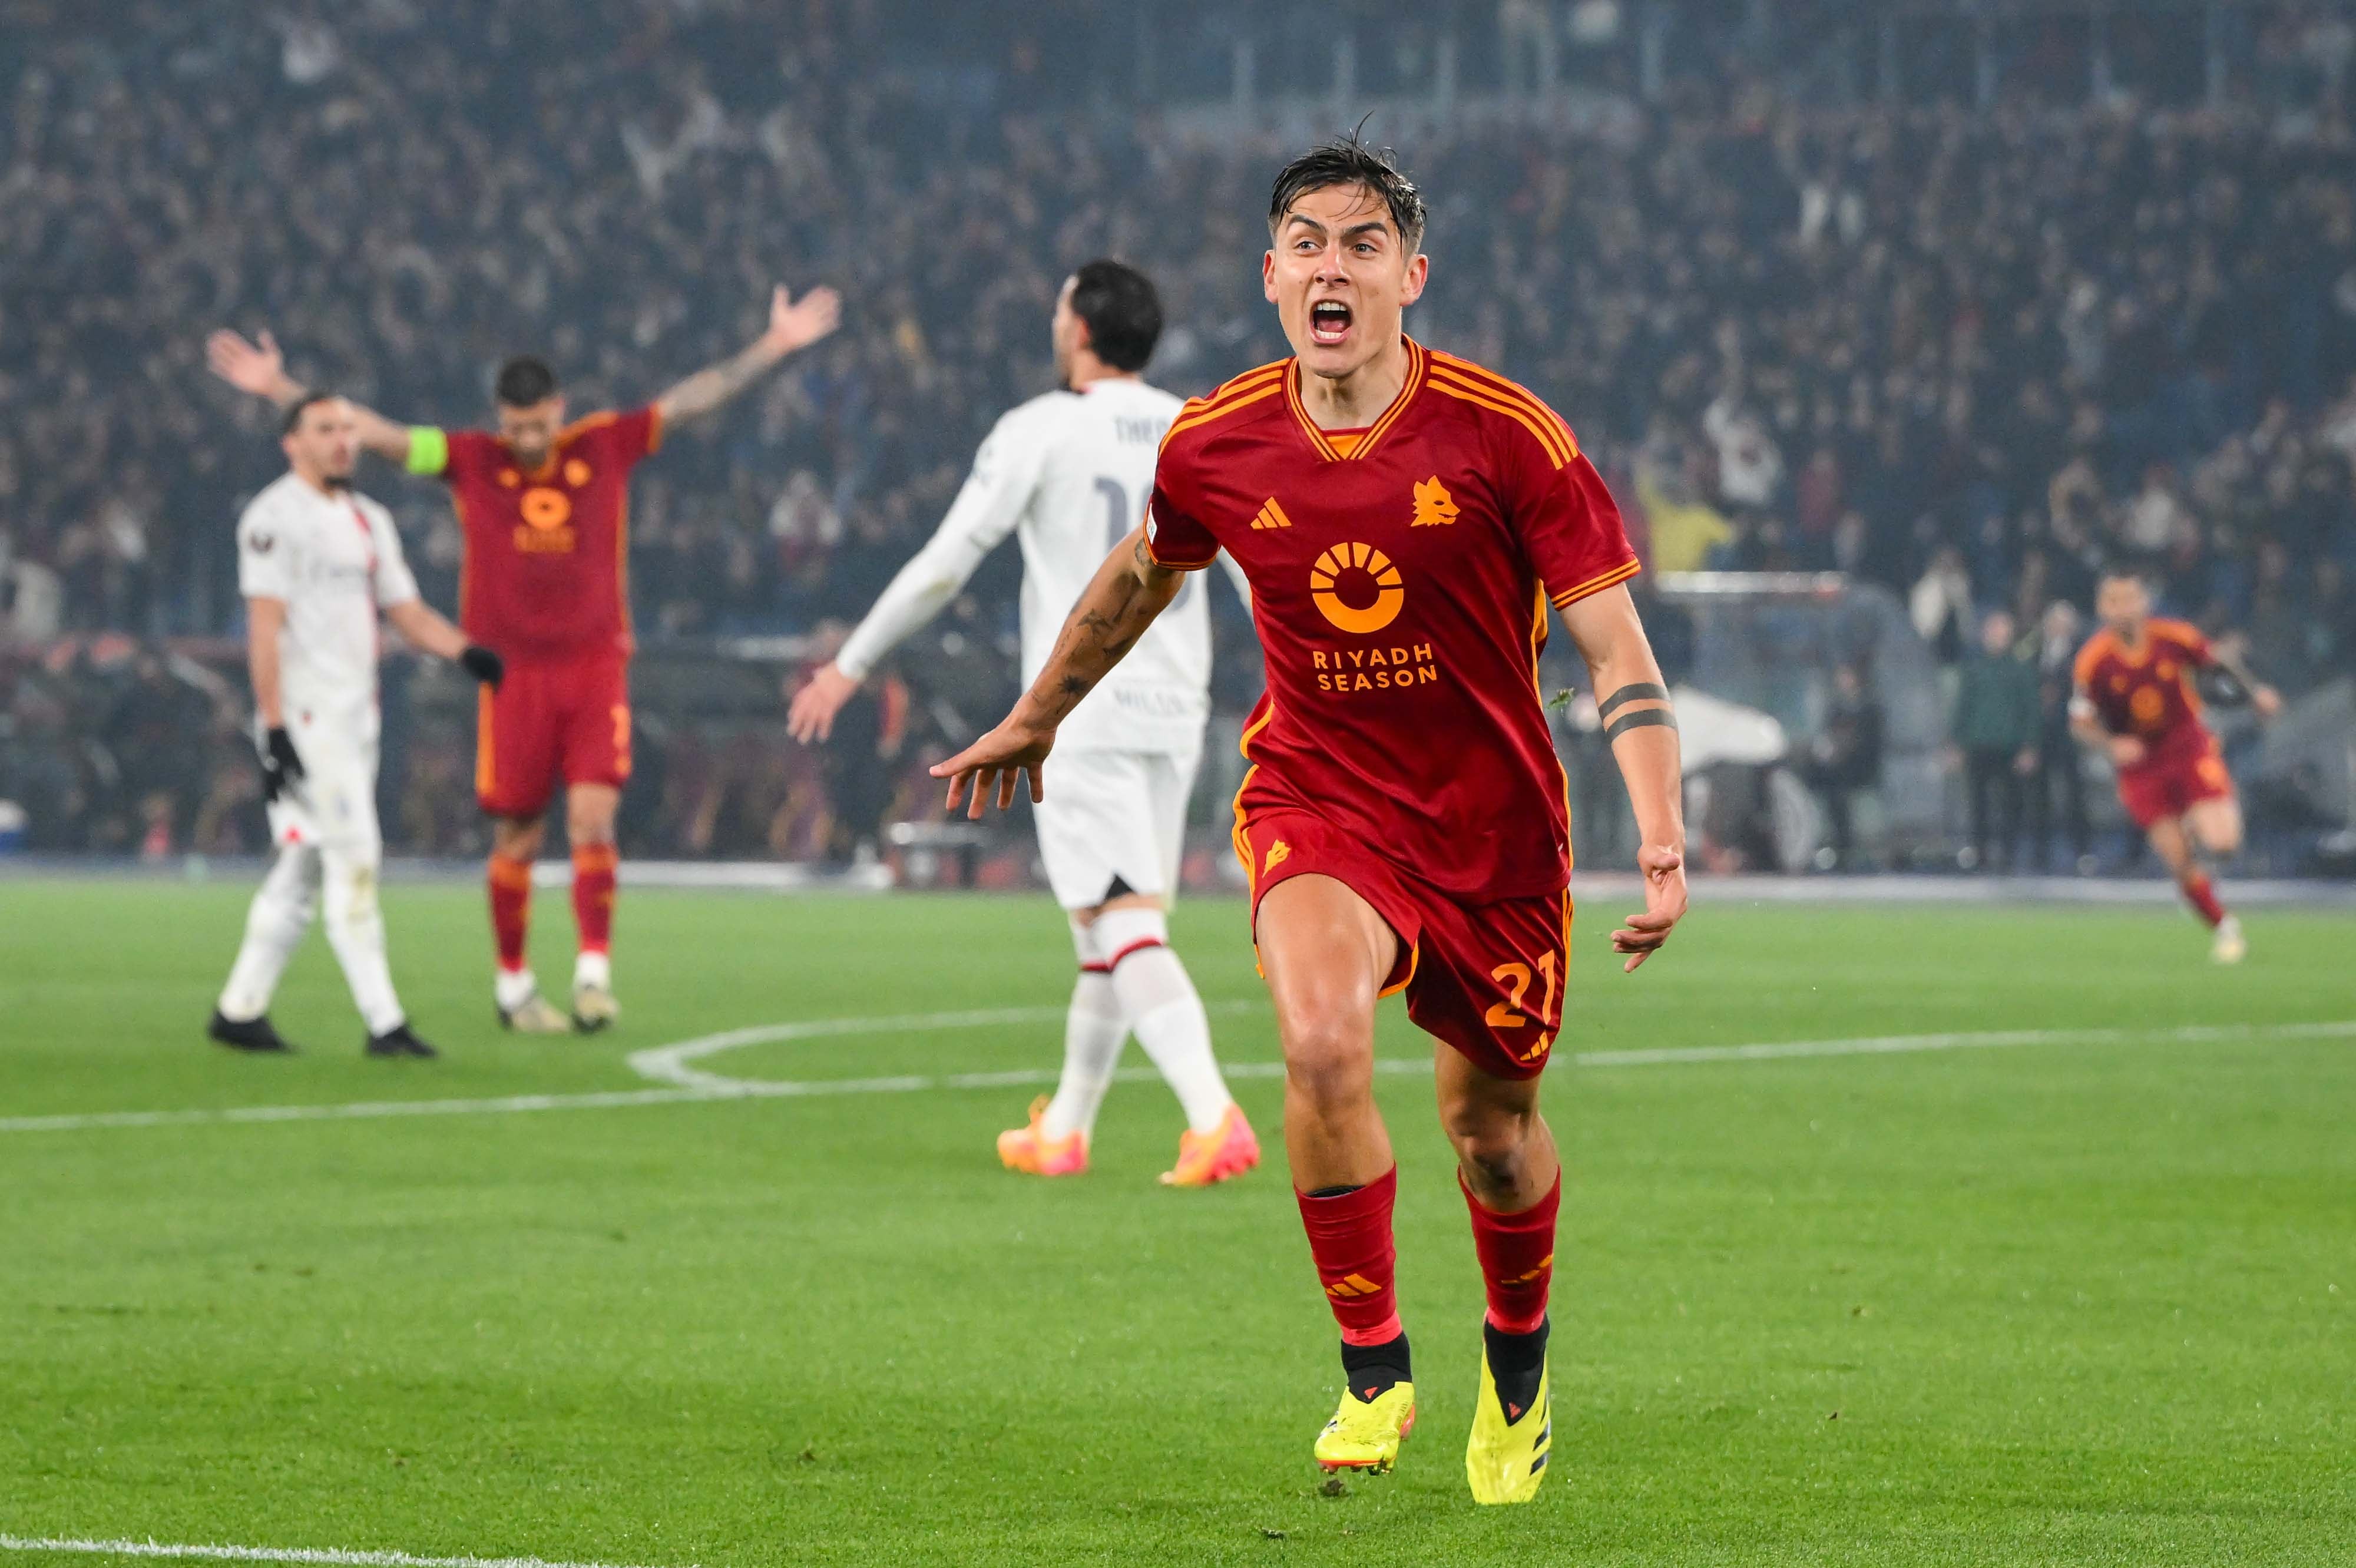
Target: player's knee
1492 1144
1329 1053
516 838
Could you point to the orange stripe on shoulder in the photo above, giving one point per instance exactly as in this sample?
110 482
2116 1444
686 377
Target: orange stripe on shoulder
1206 412
588 422
1250 379
1558 453
1513 391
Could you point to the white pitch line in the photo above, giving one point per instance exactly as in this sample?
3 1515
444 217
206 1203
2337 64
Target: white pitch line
688 1085
275 1554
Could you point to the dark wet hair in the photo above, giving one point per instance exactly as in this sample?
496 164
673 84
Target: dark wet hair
1346 160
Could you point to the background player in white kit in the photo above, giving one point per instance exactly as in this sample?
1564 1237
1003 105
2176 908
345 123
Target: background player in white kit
317 561
1069 471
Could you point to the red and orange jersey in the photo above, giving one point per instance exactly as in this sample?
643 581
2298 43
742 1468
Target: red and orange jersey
2144 690
547 568
1400 579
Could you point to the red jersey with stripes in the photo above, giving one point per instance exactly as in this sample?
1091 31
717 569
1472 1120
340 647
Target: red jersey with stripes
2145 689
547 568
1400 579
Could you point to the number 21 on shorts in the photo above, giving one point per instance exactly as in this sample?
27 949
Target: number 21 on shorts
1516 979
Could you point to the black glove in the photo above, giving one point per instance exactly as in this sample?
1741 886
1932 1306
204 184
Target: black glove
483 665
281 763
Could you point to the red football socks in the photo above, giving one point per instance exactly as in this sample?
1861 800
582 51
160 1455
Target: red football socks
1350 1240
1516 1253
595 867
511 908
2202 893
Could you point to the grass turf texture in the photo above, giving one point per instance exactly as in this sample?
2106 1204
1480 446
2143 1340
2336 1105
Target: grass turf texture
2067 1304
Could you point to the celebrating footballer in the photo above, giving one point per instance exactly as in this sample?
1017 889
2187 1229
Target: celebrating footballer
1404 519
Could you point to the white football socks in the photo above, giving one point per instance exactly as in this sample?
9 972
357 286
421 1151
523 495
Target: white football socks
1164 1011
593 968
275 928
511 988
1094 1032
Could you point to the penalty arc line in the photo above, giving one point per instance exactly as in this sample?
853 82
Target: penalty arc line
683 1084
275 1554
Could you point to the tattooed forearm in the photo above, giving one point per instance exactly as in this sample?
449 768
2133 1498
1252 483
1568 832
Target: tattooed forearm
1128 591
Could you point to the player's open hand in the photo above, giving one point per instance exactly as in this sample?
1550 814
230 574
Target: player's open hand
812 717
1664 906
256 368
798 326
2126 750
997 762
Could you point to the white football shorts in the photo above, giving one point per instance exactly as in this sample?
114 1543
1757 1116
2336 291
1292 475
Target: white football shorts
1114 820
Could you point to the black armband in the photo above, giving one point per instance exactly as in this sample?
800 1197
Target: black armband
1635 691
1639 720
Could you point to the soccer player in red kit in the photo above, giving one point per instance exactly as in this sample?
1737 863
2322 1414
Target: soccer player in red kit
544 506
1405 520
2134 697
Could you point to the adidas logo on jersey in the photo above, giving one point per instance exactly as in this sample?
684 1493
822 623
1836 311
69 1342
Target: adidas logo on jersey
1271 515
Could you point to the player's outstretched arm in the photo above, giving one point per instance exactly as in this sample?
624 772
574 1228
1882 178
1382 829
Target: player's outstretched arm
792 326
259 368
986 510
1633 704
1121 601
427 629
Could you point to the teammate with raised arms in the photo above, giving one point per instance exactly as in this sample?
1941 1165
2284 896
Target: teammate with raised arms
544 506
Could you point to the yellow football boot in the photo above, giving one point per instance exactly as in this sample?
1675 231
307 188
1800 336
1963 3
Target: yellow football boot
1505 1458
1365 1435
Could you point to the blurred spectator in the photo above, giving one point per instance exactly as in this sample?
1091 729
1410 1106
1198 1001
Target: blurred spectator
1845 757
1995 727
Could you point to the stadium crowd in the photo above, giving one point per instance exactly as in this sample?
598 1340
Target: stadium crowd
1969 356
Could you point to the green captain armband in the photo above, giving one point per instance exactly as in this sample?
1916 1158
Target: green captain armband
429 449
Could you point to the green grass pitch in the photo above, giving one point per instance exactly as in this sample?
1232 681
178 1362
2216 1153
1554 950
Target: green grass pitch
2078 1300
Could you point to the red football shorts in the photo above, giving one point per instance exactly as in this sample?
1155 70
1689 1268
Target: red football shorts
1488 979
2173 780
552 718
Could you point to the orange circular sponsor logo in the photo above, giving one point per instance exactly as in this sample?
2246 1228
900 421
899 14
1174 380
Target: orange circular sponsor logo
545 509
2146 705
510 477
2213 772
1357 587
576 472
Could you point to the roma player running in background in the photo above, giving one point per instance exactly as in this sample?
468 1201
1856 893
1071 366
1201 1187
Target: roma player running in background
2133 698
1404 519
544 506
